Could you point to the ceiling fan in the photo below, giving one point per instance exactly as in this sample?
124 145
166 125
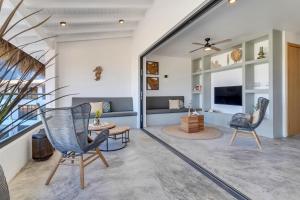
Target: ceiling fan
207 46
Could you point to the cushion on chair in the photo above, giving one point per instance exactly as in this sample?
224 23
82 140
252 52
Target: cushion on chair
255 116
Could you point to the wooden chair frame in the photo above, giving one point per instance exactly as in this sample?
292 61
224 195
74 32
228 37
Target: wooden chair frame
254 134
83 162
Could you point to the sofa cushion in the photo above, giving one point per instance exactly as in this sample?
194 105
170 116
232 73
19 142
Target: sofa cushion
161 102
106 107
163 111
116 114
174 104
118 104
96 106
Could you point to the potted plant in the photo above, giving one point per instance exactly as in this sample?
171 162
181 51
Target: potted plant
98 114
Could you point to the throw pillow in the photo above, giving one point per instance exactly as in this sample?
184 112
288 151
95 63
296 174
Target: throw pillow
106 107
255 116
173 104
96 106
181 104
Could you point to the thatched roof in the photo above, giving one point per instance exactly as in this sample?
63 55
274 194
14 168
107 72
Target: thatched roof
11 53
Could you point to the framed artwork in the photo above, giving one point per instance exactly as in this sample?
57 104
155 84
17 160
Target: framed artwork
152 83
152 68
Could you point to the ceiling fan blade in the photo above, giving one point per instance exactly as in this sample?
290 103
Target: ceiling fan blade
215 48
223 41
197 43
196 49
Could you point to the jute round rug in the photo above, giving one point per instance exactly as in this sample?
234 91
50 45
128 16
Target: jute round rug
208 133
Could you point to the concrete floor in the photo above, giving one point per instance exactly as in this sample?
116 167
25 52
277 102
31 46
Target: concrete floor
144 170
270 174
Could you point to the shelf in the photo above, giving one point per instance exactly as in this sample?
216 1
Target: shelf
260 91
224 68
257 61
195 92
197 73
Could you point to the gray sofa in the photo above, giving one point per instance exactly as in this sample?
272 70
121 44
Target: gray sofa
120 106
160 105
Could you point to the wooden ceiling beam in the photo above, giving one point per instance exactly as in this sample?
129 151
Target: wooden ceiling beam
74 4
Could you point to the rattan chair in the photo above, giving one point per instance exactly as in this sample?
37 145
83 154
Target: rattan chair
242 122
67 131
4 192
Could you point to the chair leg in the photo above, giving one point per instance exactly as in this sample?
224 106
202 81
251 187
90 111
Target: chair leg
233 136
81 165
101 157
257 139
53 171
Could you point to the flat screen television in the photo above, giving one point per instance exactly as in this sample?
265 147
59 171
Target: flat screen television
231 95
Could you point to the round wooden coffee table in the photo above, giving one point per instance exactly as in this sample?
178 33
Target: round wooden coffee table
101 126
120 138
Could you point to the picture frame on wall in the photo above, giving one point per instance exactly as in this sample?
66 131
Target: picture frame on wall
152 68
152 83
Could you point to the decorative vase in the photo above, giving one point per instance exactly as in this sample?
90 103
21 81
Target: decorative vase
96 121
261 53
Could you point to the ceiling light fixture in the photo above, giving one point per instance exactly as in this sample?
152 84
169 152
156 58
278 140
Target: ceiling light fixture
121 21
207 49
63 24
232 1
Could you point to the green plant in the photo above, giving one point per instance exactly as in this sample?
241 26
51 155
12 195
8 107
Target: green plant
98 113
14 59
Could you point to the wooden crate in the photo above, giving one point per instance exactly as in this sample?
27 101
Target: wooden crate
192 124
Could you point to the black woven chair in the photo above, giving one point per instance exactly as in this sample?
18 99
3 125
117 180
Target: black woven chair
242 121
4 193
67 131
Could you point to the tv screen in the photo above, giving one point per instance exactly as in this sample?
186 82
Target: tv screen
231 95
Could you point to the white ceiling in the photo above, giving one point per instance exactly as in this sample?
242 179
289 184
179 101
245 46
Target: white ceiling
86 19
246 17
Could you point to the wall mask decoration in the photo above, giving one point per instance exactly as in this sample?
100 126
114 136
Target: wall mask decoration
152 68
152 83
98 71
236 55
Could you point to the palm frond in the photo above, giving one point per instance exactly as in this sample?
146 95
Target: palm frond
9 18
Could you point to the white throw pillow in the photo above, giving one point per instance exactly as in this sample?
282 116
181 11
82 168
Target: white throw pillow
96 106
255 116
174 104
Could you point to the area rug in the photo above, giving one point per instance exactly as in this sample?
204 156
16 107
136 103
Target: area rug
208 133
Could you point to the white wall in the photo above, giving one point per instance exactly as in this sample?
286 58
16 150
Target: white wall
178 82
161 18
15 155
77 60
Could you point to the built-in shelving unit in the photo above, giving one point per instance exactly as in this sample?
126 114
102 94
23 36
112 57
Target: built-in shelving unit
260 76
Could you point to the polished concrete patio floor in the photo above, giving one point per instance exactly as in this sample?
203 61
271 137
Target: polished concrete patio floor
270 174
145 170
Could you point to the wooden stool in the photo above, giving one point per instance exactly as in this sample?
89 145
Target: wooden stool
41 147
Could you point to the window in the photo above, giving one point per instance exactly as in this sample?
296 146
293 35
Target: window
25 109
33 94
